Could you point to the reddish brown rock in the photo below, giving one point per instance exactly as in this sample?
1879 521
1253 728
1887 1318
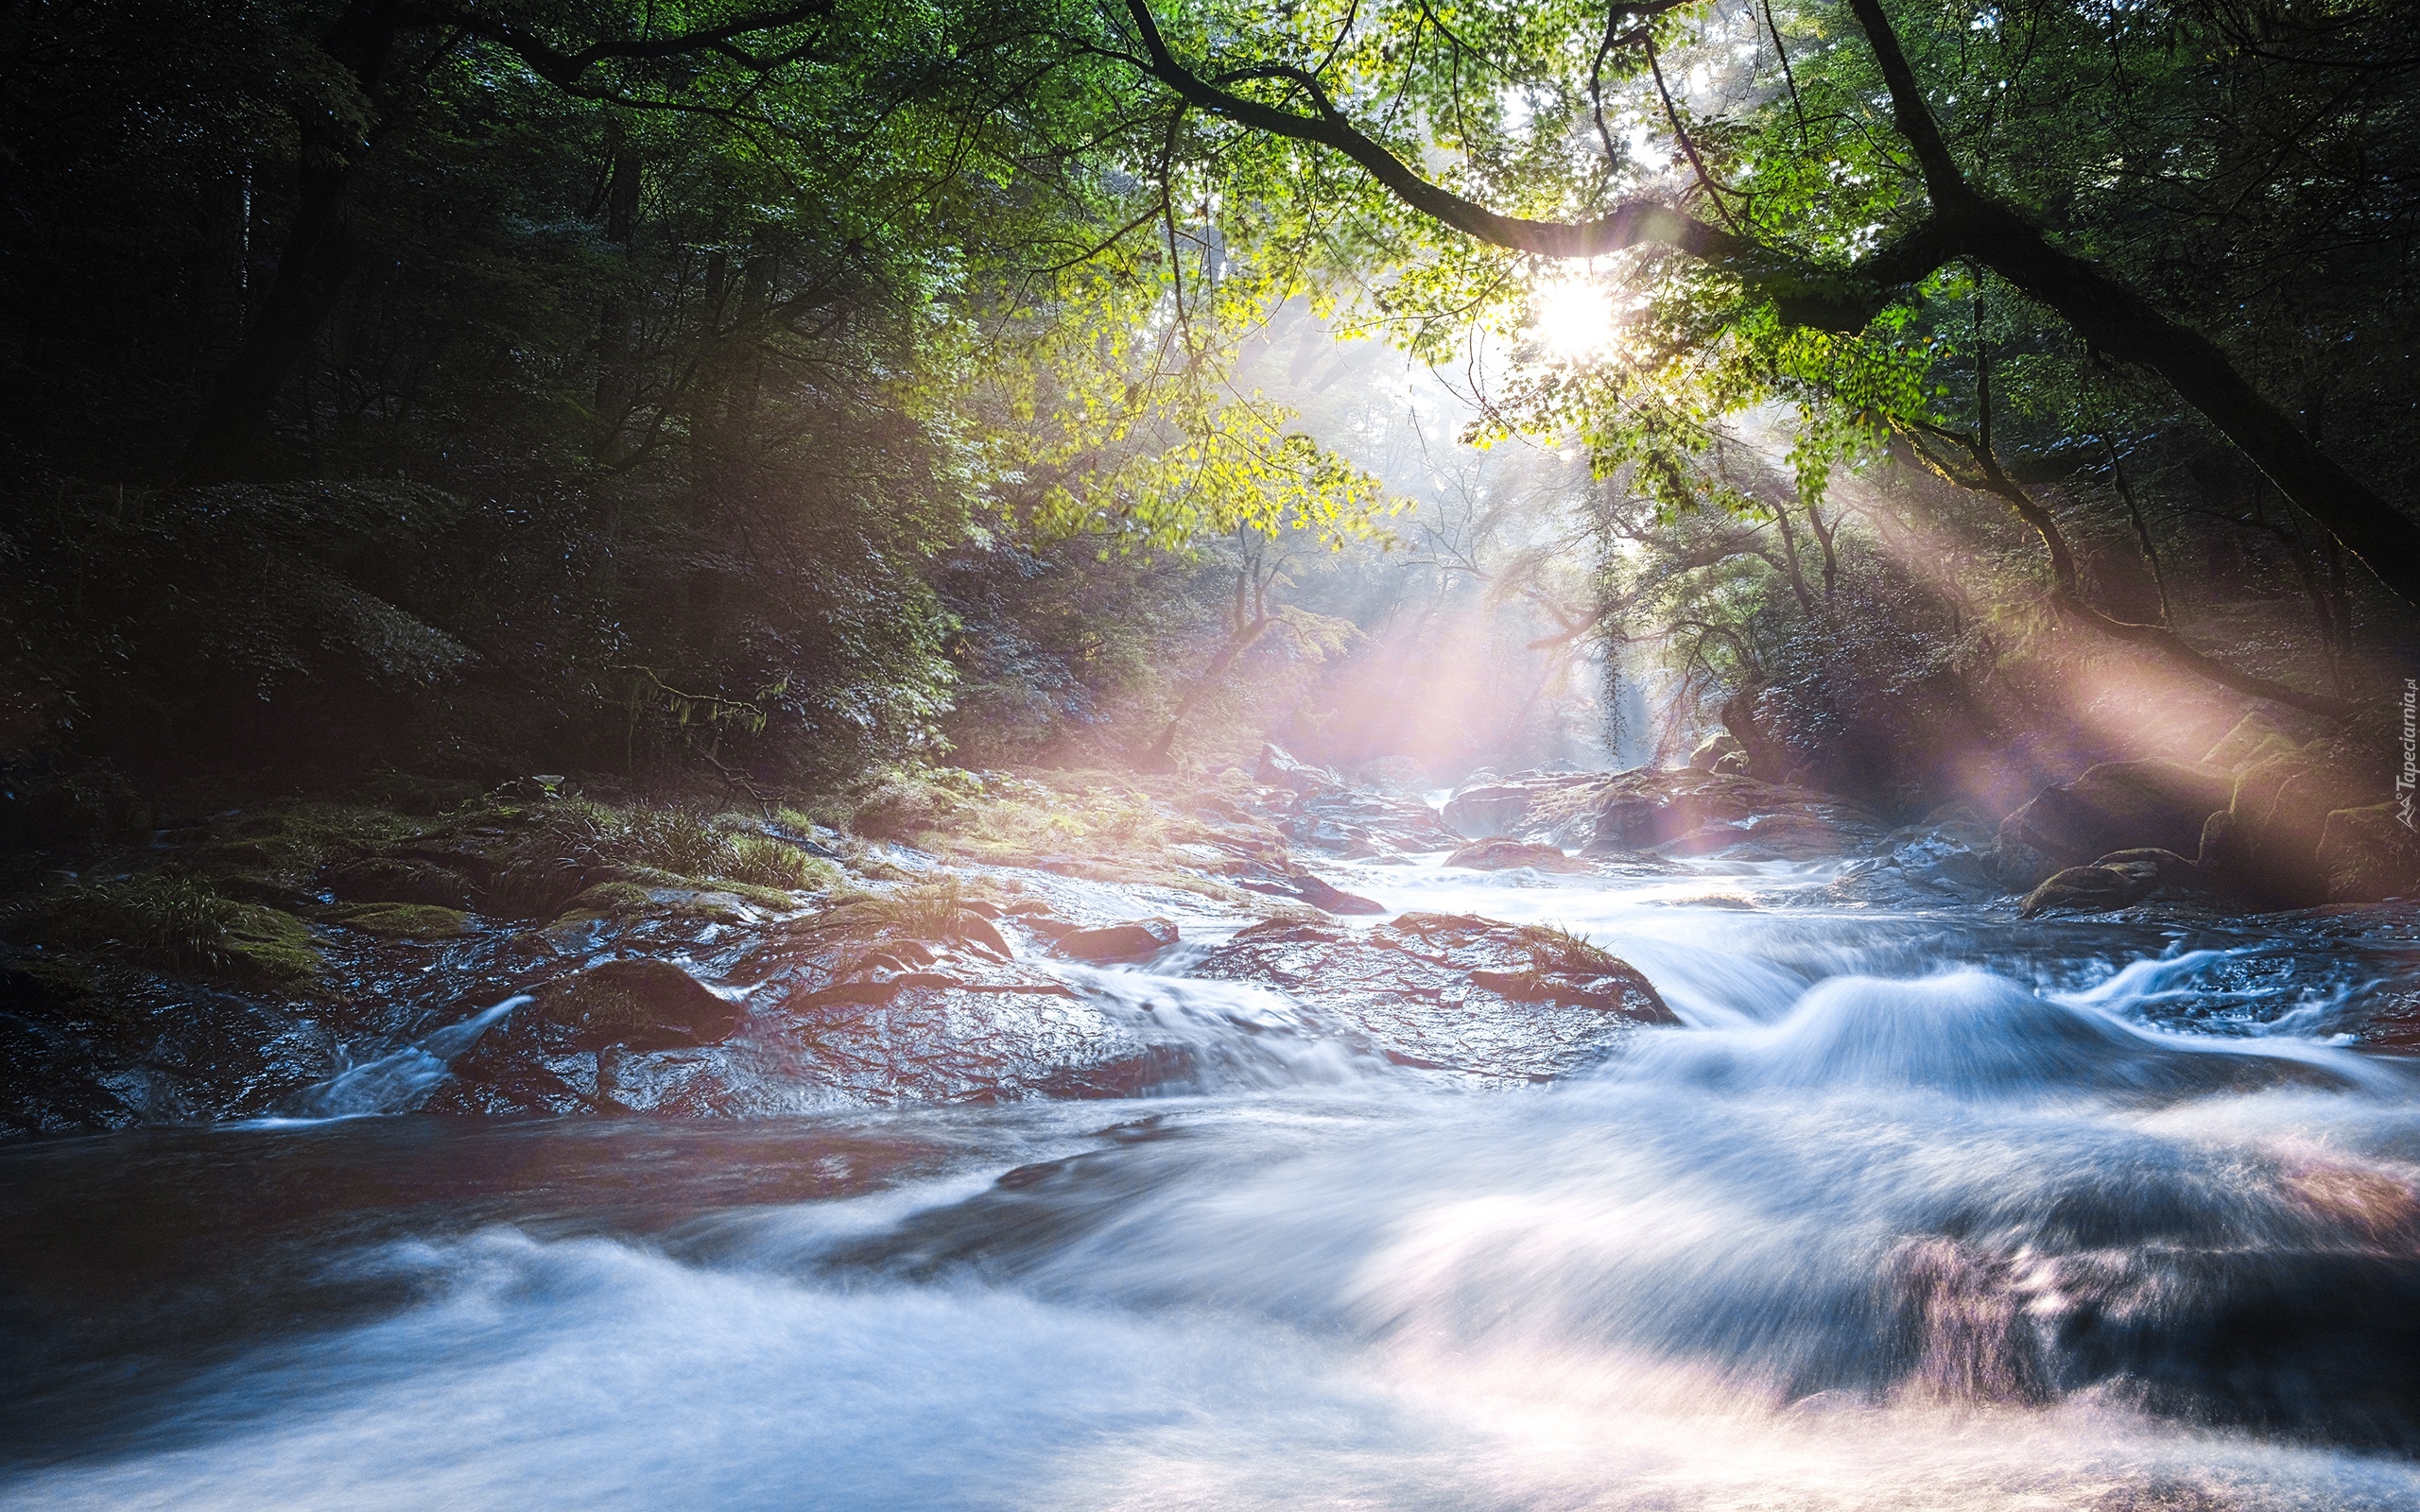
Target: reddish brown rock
1453 993
1503 855
1303 888
1115 944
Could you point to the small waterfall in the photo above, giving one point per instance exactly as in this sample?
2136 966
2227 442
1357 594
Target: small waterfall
396 1081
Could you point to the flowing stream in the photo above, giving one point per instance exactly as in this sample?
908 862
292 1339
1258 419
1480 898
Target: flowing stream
1920 1210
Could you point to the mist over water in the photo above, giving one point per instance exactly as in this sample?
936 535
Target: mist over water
1919 1210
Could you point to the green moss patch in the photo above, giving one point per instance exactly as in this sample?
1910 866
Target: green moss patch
170 922
405 920
269 945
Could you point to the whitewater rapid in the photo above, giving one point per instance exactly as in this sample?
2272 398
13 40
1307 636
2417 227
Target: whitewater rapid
1918 1211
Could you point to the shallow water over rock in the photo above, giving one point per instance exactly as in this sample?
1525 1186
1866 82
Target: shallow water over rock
1916 1205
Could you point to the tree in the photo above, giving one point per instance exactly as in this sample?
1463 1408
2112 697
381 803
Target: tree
1842 225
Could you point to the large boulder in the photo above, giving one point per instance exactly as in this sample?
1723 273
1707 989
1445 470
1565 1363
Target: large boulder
1453 993
1280 768
1115 944
2255 738
2279 842
639 1003
1356 822
1698 812
1720 752
1488 810
1502 855
2369 854
397 880
2147 804
1303 888
2114 881
842 1010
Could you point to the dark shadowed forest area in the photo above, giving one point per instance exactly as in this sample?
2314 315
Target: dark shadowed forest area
706 566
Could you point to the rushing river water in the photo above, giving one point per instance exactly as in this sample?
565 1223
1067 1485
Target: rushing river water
1919 1210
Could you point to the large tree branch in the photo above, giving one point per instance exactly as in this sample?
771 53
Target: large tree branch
1628 225
2119 323
567 68
1964 222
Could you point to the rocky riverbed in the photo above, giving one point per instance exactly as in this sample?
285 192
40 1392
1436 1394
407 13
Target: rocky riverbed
1678 1139
978 939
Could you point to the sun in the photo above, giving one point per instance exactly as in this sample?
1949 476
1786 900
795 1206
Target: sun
1571 314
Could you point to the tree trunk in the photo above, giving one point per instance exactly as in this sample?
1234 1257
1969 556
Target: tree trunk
319 255
616 354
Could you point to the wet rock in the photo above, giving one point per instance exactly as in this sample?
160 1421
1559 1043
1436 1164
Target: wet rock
2091 889
391 920
1695 813
1502 855
1453 993
1047 927
1303 888
1116 944
2117 806
1718 748
1479 813
396 880
96 1044
2312 1339
1954 858
892 1022
838 1016
641 1004
1279 768
500 1076
1357 823
2118 879
2368 855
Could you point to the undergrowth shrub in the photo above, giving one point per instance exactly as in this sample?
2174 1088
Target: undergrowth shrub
171 921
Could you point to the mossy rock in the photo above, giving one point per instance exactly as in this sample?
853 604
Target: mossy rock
611 900
170 921
398 880
651 894
49 987
291 843
269 945
405 920
773 898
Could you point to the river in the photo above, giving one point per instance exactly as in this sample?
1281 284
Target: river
1921 1208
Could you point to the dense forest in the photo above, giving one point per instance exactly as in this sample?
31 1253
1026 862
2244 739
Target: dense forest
767 397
